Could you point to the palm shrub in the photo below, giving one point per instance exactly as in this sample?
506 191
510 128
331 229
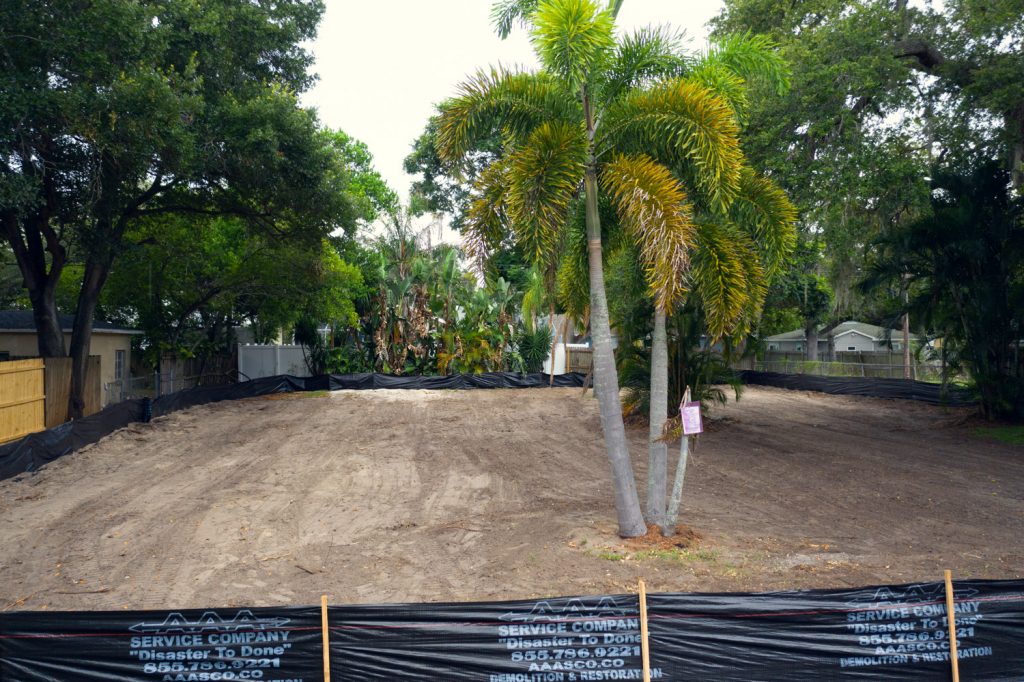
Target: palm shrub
533 346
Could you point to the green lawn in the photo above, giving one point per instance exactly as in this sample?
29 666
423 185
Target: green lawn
1014 435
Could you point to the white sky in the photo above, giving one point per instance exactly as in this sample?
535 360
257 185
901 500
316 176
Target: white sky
384 64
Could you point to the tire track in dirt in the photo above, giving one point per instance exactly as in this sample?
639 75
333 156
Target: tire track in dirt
416 495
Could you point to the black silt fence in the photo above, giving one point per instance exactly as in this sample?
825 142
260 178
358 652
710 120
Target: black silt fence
898 389
895 632
37 449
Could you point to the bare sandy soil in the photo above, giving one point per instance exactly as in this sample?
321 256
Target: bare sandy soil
435 496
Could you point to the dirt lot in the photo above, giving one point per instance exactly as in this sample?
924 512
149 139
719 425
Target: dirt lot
434 496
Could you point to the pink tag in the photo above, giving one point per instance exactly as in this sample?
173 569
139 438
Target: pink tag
690 413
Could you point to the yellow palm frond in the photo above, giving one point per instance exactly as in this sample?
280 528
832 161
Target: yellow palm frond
680 122
511 101
654 210
719 277
764 211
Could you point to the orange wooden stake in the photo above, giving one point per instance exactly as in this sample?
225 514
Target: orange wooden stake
645 651
951 617
327 638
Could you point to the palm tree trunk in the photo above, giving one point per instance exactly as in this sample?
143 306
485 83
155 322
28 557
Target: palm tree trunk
554 342
657 449
606 381
672 515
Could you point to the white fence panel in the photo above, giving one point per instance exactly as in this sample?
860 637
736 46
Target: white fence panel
255 361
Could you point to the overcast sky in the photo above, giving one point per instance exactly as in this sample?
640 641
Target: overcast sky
384 64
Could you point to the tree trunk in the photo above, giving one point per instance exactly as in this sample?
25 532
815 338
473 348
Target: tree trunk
657 449
554 342
672 515
906 346
606 380
49 335
40 275
811 334
81 336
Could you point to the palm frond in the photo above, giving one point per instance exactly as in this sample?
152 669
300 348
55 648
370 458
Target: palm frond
515 102
648 55
573 268
754 58
486 220
757 285
534 297
654 210
718 276
764 211
543 177
506 13
572 37
724 83
680 122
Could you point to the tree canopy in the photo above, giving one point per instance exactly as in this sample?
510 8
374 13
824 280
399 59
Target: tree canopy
139 109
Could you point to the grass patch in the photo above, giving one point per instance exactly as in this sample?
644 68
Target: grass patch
611 556
296 395
1011 435
678 554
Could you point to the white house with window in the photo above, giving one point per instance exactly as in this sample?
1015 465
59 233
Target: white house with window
849 337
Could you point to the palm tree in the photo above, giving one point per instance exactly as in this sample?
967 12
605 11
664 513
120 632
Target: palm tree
737 252
602 113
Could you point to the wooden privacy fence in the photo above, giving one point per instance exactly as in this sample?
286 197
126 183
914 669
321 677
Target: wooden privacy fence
58 389
34 394
22 398
578 358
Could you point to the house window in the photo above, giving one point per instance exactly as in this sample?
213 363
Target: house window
5 355
799 347
773 346
851 348
119 365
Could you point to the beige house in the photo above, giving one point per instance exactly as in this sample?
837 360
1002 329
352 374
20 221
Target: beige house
112 343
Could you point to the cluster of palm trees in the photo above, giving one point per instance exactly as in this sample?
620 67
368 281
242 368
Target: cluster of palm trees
626 148
422 313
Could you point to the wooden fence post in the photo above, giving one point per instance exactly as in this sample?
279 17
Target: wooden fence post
645 651
951 618
326 638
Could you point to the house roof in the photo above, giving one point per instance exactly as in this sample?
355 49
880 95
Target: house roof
873 332
22 321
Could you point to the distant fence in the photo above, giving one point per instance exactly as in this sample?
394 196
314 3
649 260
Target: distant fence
161 383
578 358
257 361
900 389
865 365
